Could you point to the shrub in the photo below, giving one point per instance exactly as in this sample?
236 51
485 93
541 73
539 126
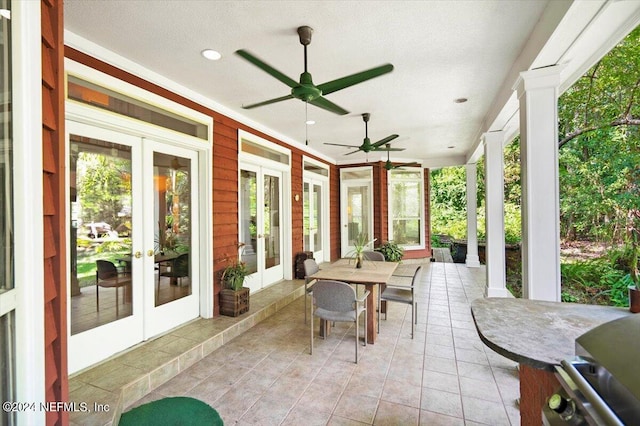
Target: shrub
392 252
591 280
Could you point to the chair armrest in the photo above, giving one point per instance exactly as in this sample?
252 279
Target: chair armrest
364 297
401 287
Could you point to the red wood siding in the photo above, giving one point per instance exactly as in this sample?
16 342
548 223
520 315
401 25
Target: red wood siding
53 149
297 219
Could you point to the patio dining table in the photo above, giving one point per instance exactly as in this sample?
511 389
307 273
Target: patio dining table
371 275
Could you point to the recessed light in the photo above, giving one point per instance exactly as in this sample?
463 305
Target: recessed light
460 100
211 54
310 122
5 13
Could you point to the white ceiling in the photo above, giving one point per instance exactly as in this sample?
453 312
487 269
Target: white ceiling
441 50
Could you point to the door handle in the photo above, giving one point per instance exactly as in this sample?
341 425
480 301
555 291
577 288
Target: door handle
138 255
150 253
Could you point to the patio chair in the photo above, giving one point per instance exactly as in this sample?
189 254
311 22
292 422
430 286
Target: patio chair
337 301
310 267
375 256
395 291
178 270
107 275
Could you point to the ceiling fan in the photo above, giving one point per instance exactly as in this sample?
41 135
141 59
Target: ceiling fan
367 146
389 166
305 90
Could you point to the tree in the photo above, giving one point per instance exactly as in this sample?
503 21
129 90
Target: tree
600 151
102 186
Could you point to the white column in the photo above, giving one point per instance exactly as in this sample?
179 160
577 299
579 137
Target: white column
538 95
472 260
494 215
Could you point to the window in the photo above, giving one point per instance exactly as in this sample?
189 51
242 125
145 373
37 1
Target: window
406 207
92 94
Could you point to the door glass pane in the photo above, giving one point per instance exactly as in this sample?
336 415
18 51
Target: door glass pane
248 213
172 224
357 212
100 194
7 324
6 167
271 221
306 219
7 366
317 218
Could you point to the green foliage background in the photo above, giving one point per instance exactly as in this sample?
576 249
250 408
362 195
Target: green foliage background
599 173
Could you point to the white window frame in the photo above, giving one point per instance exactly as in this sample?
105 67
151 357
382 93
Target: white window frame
83 113
390 195
26 300
244 157
326 200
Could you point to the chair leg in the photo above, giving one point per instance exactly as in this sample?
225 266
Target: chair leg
97 298
413 315
305 303
379 308
365 326
311 321
357 337
117 313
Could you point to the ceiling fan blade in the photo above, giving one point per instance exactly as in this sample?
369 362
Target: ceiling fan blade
326 104
340 144
267 68
384 141
353 152
270 101
389 149
413 164
350 80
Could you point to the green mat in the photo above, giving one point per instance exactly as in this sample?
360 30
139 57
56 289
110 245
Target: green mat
172 411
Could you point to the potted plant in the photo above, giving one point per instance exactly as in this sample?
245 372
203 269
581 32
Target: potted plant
234 297
360 244
392 252
234 274
165 240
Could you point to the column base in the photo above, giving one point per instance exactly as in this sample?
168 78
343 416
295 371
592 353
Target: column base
472 261
497 292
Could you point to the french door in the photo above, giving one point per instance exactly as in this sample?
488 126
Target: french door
314 217
356 201
261 225
133 256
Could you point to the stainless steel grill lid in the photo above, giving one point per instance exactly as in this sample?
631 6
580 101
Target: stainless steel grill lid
614 349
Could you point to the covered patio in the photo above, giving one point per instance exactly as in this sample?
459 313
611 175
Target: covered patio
469 77
263 374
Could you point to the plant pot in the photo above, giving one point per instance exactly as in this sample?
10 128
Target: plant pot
234 302
634 300
359 260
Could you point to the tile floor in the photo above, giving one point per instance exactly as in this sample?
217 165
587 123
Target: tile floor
444 376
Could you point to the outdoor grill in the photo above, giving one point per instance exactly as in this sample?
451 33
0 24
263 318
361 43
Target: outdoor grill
601 385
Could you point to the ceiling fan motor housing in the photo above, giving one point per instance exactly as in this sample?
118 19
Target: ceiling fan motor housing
306 90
